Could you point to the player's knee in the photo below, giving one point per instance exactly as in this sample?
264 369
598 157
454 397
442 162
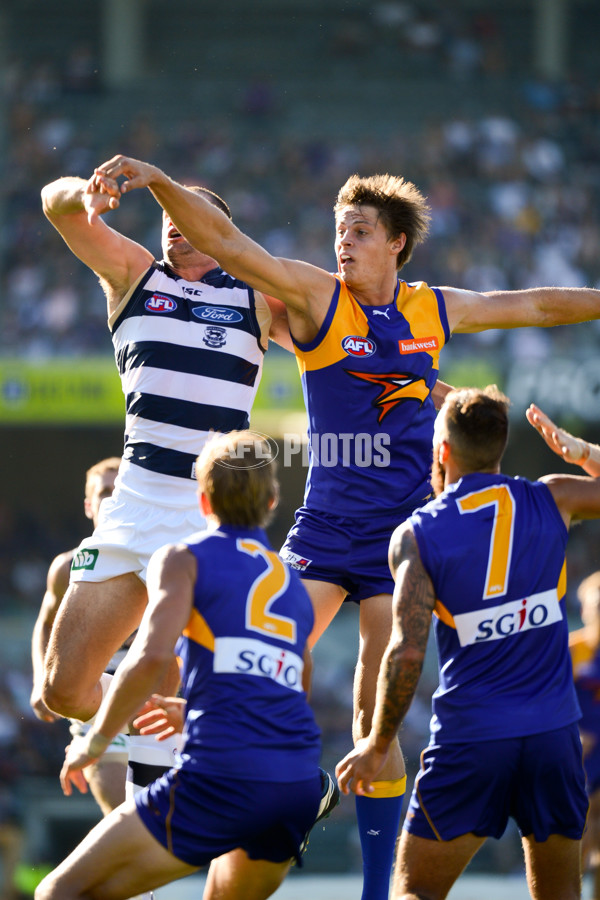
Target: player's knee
63 698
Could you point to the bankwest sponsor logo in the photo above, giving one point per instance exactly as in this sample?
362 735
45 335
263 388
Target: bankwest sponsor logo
499 622
419 345
246 656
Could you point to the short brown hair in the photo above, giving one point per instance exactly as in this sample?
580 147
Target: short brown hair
237 473
110 464
477 426
401 205
212 198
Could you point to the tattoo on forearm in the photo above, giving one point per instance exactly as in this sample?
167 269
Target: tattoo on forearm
414 599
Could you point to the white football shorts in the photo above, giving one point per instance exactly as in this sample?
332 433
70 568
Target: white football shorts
129 531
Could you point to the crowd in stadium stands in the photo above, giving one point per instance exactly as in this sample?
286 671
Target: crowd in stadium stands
515 202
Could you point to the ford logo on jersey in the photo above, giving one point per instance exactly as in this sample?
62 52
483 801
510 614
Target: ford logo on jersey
217 314
160 304
356 345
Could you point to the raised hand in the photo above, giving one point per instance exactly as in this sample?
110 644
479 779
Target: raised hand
565 445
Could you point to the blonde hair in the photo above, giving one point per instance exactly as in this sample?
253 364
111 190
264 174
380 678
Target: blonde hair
237 473
401 205
110 464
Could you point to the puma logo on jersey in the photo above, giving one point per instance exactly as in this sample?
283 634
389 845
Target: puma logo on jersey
395 388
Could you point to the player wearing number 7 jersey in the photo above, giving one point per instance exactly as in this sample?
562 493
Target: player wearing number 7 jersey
249 786
487 559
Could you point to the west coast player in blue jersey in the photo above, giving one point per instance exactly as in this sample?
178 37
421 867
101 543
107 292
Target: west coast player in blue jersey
486 561
368 347
189 342
249 785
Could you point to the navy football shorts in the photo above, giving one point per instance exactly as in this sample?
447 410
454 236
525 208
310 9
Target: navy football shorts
591 764
352 553
198 818
537 780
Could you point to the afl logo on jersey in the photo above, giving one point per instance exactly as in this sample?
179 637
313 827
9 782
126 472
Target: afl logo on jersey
161 304
217 314
356 345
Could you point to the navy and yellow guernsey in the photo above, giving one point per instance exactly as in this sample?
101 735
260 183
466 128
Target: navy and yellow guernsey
494 548
367 379
241 660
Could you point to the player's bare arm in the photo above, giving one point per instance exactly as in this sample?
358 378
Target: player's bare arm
438 394
470 311
572 449
171 579
280 326
76 214
57 582
305 289
413 603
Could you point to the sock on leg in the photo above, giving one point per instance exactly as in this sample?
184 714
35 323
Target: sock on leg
378 818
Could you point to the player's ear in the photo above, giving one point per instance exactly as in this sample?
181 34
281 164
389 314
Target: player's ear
87 508
205 507
398 243
274 501
443 452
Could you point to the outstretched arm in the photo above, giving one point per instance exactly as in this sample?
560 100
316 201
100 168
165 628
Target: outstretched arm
76 214
305 289
470 311
571 449
401 666
576 497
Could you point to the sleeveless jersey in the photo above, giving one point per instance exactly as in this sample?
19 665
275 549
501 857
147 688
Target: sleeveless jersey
190 359
241 660
367 379
494 548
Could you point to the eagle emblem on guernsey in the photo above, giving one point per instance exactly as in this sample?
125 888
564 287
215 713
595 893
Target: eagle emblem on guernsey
394 388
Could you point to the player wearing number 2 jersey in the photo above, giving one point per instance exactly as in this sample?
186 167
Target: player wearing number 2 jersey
249 785
487 558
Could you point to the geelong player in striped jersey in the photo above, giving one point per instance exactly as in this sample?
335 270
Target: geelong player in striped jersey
189 343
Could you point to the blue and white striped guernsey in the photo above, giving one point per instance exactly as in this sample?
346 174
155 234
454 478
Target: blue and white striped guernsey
190 357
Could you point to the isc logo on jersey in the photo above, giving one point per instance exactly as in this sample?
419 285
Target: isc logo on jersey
356 345
245 656
499 622
161 304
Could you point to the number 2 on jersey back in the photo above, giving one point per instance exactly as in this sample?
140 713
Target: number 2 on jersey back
501 538
265 589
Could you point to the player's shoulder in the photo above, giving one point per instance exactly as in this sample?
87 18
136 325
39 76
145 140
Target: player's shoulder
61 564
